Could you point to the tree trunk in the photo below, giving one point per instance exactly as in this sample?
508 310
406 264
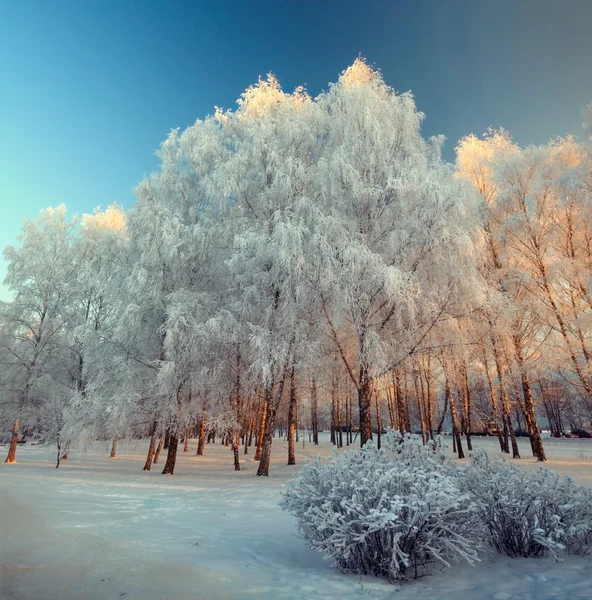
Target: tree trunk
531 420
378 420
158 449
267 397
314 412
169 466
503 440
151 448
467 406
292 408
263 469
454 418
114 448
186 442
11 458
364 403
202 437
390 407
249 433
504 400
234 443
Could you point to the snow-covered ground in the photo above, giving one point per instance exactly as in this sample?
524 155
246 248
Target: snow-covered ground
98 528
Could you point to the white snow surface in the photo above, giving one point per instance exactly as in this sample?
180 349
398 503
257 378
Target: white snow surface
100 528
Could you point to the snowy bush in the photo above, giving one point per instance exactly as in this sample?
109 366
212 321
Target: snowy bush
575 511
529 513
392 512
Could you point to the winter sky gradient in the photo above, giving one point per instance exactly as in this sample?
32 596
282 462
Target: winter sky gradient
88 90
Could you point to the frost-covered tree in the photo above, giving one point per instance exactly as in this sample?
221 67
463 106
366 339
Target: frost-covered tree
42 277
398 236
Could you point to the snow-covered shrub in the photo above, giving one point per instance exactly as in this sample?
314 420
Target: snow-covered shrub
392 512
529 513
575 511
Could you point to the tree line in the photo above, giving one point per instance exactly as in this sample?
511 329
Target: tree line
314 263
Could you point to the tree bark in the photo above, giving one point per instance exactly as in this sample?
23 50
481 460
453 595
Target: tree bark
114 448
504 400
169 466
454 417
158 449
11 458
314 412
467 405
151 448
267 397
292 408
364 403
263 469
201 443
235 444
378 420
186 441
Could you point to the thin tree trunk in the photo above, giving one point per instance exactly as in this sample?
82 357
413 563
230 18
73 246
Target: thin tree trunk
467 405
531 420
186 442
249 434
151 448
453 415
504 400
235 443
114 448
267 397
158 449
378 419
314 412
11 458
292 408
503 440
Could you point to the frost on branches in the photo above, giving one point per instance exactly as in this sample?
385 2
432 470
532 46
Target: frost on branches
392 512
399 510
530 513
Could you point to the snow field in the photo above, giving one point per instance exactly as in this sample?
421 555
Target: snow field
101 528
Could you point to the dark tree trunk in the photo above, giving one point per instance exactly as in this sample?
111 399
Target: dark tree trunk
467 406
201 443
235 443
292 408
378 420
263 469
167 437
314 412
364 403
533 427
158 449
186 442
390 407
454 418
504 400
169 466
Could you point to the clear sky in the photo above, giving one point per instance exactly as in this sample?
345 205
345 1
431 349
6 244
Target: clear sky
89 89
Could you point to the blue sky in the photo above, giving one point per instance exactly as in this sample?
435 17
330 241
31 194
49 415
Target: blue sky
89 89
